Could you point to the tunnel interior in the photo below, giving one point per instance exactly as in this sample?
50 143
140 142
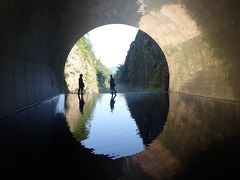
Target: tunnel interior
199 40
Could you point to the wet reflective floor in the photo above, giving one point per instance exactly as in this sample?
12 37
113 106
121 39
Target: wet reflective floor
128 136
116 125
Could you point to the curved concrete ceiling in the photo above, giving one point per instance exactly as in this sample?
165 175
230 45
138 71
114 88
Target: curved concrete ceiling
200 40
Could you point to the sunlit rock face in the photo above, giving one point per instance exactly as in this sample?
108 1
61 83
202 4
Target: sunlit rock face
75 65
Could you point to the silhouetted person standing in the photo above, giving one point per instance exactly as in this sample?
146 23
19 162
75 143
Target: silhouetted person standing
112 85
80 84
112 102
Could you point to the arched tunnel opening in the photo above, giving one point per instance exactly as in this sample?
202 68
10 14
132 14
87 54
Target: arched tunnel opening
198 119
130 55
142 72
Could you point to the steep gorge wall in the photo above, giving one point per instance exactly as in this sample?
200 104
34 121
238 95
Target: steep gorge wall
82 60
145 66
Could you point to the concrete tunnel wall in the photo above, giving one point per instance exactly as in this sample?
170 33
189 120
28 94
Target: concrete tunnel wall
199 38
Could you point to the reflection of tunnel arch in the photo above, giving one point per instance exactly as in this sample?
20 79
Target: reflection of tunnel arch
199 38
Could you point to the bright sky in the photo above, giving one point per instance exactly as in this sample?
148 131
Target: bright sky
111 43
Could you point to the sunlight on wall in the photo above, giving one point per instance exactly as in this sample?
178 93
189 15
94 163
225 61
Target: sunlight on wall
170 25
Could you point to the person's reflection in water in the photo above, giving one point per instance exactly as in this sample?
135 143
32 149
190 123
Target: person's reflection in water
81 102
112 101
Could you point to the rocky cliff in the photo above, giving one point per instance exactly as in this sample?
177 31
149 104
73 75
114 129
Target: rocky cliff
145 67
81 60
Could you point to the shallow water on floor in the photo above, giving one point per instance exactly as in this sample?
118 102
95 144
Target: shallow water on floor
116 125
130 136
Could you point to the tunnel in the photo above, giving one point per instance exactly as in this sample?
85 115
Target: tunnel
199 38
198 119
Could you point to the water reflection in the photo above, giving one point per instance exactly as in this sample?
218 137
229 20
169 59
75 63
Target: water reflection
112 101
77 118
134 123
200 139
81 102
150 111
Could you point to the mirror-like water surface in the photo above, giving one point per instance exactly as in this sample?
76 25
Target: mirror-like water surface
175 137
113 133
117 125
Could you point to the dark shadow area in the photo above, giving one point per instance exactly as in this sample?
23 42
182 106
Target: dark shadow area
203 135
36 38
150 111
37 144
220 161
199 140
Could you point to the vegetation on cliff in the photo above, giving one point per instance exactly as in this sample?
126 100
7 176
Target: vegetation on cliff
82 60
145 67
